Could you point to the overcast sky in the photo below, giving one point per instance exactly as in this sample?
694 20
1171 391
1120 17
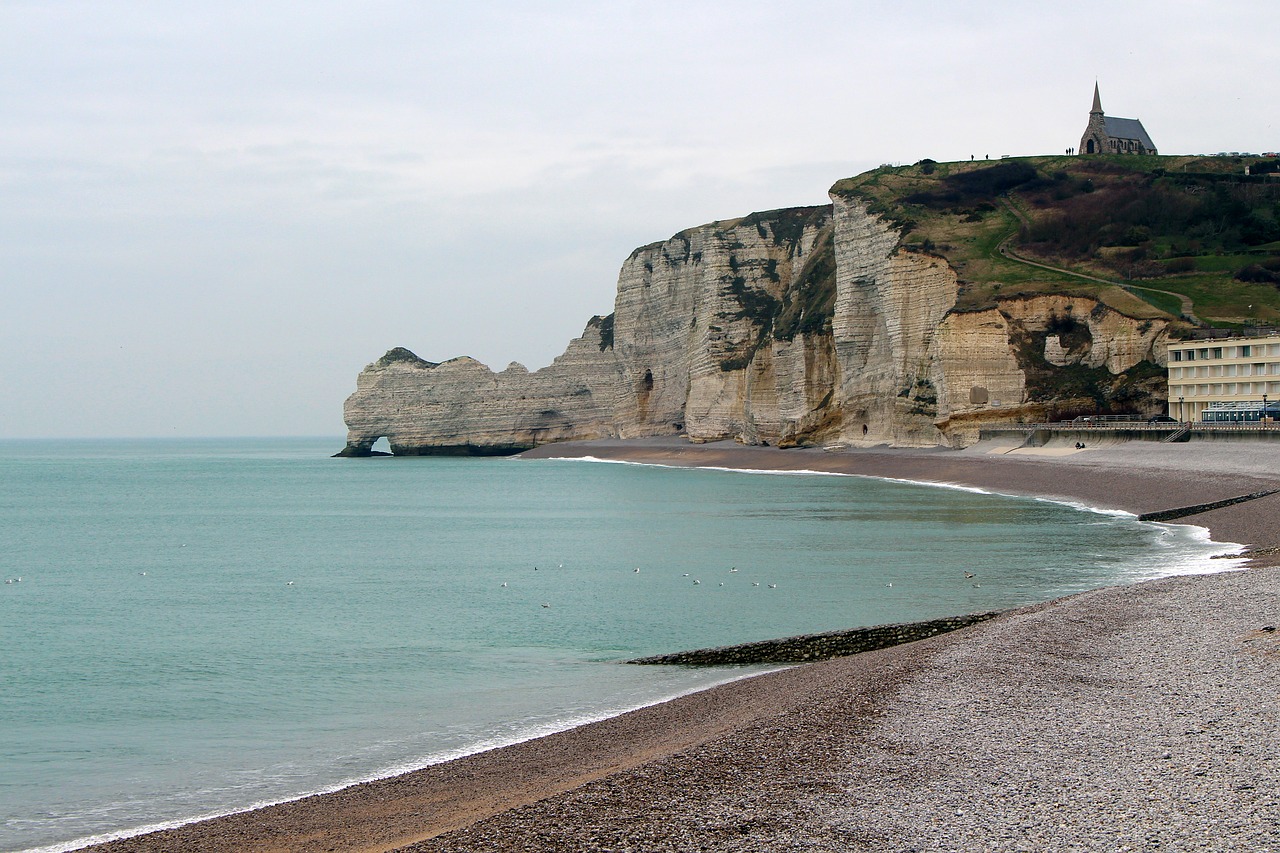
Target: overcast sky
212 216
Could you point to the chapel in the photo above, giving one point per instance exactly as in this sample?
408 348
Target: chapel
1110 135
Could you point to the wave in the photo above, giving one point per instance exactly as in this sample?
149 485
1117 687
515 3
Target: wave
1222 559
520 735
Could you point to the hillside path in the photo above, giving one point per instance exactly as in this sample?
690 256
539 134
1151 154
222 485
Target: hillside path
1187 305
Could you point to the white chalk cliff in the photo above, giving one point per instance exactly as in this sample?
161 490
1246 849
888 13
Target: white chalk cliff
796 326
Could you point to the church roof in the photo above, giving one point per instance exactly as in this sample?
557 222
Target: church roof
1128 128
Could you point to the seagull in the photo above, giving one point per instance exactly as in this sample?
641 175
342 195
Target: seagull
969 575
290 583
697 581
686 574
890 583
721 583
504 583
773 586
755 583
734 569
544 604
637 570
143 574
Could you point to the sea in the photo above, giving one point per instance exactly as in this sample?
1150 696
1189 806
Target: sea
190 628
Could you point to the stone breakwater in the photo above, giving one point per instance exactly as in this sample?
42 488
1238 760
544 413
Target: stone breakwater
814 647
1196 509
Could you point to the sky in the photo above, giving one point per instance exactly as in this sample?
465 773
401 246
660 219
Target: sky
213 216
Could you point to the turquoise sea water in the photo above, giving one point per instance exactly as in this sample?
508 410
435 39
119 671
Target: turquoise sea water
202 626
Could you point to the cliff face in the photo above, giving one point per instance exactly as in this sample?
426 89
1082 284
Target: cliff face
1031 356
697 332
794 326
463 407
889 305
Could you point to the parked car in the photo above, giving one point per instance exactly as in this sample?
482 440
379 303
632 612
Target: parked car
1161 419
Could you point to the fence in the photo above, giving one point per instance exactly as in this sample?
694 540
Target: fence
1099 425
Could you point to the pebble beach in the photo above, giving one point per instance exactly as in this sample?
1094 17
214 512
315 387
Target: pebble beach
1130 718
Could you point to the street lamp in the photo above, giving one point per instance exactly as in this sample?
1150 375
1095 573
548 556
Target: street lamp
1182 412
1264 409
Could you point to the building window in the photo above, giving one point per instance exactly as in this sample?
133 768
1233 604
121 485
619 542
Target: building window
1217 352
1245 351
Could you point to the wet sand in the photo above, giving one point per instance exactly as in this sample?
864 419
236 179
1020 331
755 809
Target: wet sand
1142 717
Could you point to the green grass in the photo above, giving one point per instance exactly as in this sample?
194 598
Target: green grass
969 236
1224 263
1223 300
1171 305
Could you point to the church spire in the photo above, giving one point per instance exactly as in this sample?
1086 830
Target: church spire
1097 100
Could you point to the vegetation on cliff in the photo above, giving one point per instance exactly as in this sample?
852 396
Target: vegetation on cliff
808 306
1076 389
1197 237
805 304
605 324
401 354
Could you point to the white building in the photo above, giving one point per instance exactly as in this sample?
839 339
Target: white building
1240 371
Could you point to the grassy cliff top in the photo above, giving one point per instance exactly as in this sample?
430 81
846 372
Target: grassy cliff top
1150 236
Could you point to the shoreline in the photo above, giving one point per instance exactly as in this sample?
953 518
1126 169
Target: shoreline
1154 477
492 800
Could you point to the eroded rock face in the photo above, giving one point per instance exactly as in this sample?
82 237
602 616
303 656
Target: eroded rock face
711 336
463 407
1083 331
889 305
795 326
976 368
695 330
